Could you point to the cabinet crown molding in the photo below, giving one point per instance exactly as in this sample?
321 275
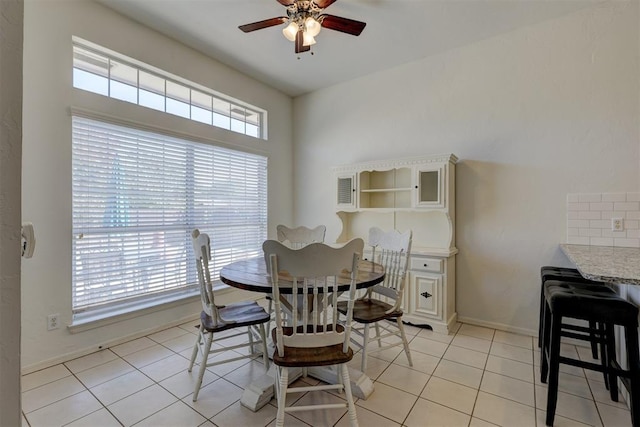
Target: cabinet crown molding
396 163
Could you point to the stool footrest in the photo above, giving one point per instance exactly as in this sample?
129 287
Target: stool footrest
581 364
595 336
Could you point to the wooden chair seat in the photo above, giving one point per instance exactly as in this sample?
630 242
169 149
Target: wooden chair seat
245 313
317 356
370 310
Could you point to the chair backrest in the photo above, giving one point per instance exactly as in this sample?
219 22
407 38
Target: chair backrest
310 275
392 250
299 237
202 253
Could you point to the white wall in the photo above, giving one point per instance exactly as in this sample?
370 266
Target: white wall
533 115
11 29
48 94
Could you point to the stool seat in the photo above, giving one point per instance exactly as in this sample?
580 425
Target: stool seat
589 302
567 274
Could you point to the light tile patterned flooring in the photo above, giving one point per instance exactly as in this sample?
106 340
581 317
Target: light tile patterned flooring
475 377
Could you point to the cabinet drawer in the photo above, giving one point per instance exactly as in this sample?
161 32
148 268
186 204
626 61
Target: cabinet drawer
427 264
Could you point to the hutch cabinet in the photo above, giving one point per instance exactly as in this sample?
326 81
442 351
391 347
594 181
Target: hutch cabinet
415 193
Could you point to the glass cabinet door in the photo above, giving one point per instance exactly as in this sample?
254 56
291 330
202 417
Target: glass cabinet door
429 187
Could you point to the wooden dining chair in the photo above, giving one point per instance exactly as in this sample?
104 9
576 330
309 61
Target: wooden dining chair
295 238
215 319
381 304
313 336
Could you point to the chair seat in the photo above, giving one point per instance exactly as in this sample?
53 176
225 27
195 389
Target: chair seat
369 310
235 315
315 356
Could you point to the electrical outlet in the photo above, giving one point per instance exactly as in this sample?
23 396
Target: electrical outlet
52 322
617 224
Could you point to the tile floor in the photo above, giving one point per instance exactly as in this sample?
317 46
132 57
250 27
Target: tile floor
475 377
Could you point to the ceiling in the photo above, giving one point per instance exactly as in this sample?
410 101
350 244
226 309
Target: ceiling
397 32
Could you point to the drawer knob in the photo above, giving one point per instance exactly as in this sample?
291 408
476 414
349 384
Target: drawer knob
426 265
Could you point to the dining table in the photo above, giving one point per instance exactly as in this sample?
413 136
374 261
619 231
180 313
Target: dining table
252 275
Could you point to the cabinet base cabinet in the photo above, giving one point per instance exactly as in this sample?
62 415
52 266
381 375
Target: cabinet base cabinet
430 294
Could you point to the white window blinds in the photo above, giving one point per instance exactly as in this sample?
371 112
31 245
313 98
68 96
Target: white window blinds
137 196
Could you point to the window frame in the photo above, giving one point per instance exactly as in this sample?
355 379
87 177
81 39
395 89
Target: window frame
104 58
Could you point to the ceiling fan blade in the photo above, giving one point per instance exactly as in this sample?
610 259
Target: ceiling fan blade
247 28
286 2
300 47
343 25
323 4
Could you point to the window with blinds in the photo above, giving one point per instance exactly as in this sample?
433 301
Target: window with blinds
137 195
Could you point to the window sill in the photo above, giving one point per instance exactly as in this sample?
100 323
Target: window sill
95 319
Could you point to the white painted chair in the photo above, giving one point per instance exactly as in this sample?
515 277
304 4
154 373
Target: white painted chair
382 302
299 237
215 319
313 337
295 238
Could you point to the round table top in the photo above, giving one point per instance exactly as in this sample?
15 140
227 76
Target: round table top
251 275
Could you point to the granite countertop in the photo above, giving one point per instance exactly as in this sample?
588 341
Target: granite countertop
605 263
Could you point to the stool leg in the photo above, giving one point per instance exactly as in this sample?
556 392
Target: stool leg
604 361
544 349
631 336
612 378
554 368
593 332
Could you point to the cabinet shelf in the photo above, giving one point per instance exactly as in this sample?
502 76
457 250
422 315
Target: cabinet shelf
385 190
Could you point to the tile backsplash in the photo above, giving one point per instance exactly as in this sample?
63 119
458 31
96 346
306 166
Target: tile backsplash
589 219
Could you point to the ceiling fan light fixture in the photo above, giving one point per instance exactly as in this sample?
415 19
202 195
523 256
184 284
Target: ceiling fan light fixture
312 27
290 31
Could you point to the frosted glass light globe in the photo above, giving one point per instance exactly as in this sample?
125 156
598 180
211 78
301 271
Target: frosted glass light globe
312 27
290 31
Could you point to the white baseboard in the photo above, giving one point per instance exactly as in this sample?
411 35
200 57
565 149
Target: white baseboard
498 326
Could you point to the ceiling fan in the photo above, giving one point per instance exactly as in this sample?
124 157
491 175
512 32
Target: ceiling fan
305 19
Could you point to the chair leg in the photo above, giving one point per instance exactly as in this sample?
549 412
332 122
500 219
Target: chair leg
265 351
203 364
353 419
282 395
269 310
194 353
377 326
405 343
250 336
554 368
365 343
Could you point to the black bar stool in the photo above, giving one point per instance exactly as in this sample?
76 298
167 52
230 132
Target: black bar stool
566 274
564 300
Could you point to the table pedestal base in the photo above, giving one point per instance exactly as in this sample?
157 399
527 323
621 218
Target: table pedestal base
260 391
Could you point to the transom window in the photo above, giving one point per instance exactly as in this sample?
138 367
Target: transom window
137 196
107 73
